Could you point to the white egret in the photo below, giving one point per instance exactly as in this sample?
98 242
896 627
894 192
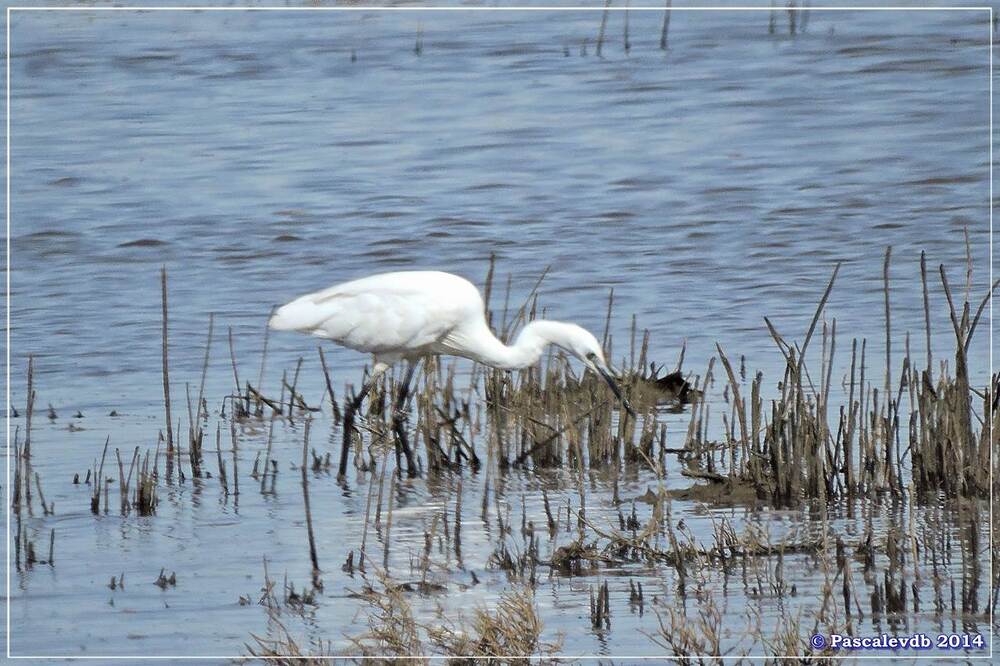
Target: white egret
409 314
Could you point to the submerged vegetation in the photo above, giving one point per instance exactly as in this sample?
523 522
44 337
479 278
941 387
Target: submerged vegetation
838 427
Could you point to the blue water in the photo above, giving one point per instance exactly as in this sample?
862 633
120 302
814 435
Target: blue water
260 155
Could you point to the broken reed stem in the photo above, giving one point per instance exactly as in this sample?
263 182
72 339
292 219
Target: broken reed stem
625 42
236 472
291 388
122 489
329 387
368 508
192 422
29 407
604 24
267 457
666 25
236 374
305 496
737 399
26 451
951 306
812 326
488 289
979 313
506 310
166 367
607 323
263 354
222 465
204 370
46 509
888 324
927 311
388 520
16 484
95 500
508 328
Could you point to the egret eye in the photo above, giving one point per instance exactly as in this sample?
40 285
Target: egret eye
592 356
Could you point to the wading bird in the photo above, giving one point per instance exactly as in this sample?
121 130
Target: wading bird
408 315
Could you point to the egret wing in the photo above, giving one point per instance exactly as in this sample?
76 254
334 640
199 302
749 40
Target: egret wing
372 321
391 312
385 322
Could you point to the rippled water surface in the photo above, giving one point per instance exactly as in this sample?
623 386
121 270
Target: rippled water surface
259 155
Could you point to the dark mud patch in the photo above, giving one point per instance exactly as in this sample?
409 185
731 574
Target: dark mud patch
723 493
66 181
144 242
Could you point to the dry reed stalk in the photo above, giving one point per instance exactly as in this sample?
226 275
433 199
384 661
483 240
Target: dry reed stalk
368 506
626 44
737 400
241 408
267 457
95 500
29 409
263 353
47 509
604 23
927 311
508 328
16 485
198 433
888 323
295 382
488 289
222 465
388 521
233 439
122 488
165 363
329 388
666 25
305 500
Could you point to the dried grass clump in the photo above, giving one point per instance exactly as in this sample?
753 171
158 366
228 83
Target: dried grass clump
513 632
685 637
392 629
280 648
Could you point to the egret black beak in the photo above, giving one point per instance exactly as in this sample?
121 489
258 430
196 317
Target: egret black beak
606 373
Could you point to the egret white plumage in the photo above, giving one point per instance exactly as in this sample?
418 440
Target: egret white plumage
409 314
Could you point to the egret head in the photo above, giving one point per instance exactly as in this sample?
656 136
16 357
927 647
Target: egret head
582 344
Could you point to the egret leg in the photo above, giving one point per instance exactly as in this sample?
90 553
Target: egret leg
350 408
398 418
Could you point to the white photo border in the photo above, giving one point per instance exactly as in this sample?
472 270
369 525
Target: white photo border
210 8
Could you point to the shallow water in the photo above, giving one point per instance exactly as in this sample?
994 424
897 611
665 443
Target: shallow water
709 185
